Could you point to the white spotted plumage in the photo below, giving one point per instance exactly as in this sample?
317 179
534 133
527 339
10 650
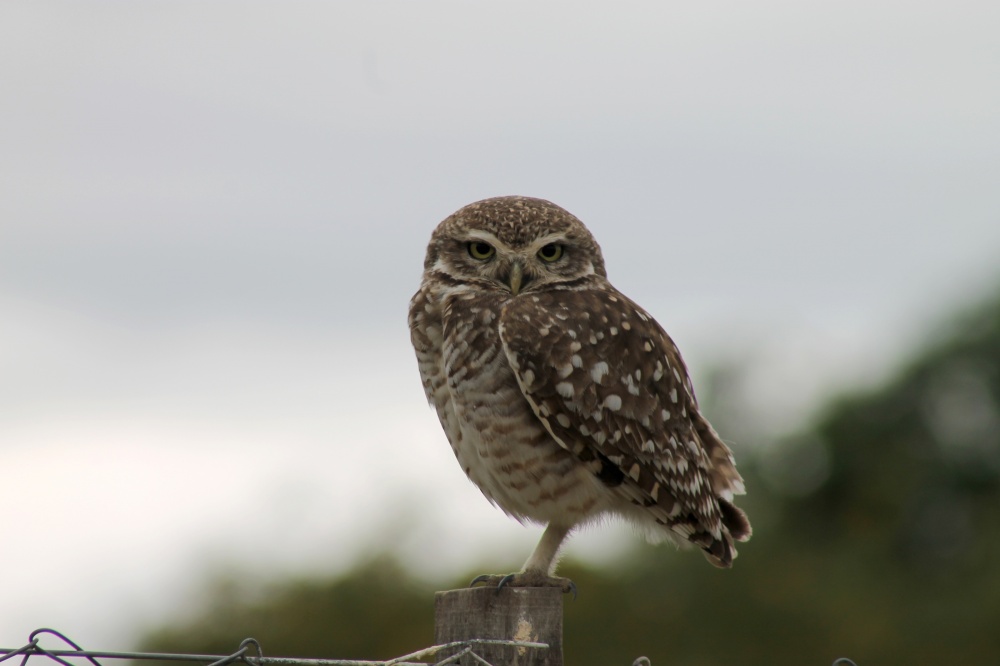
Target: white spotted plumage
562 399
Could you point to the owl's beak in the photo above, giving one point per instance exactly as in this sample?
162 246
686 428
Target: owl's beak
515 277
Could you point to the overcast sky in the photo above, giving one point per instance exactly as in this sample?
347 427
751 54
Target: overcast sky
212 216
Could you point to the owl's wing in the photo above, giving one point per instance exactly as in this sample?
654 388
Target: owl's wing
609 384
426 335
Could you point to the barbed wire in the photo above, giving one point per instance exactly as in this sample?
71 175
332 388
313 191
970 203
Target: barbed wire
251 654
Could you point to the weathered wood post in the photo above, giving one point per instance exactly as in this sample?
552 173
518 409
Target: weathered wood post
527 614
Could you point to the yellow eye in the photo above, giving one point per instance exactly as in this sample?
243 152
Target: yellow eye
551 252
480 250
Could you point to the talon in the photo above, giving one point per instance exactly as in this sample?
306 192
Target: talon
521 579
503 581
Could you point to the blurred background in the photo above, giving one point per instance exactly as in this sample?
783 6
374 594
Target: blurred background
212 216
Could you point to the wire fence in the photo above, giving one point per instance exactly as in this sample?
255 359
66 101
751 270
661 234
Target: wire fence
249 653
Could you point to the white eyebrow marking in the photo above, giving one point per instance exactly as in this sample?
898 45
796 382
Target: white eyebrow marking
539 243
485 236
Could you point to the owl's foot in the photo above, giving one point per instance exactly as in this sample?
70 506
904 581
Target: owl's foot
524 579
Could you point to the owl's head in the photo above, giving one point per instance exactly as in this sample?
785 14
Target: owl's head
514 244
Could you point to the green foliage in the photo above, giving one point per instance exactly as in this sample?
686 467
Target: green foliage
375 612
877 537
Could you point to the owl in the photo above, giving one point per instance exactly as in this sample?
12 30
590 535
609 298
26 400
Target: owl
562 399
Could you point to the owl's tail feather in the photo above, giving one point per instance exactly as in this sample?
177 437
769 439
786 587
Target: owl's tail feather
736 527
719 552
735 521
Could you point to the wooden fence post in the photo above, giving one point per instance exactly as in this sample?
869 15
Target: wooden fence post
529 614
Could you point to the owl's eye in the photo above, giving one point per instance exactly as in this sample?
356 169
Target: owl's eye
480 250
551 252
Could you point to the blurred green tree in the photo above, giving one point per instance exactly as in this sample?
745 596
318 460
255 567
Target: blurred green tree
375 611
877 537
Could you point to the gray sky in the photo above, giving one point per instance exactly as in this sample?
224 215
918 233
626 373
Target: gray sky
212 216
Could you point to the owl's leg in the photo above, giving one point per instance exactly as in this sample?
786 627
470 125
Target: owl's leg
537 571
543 559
